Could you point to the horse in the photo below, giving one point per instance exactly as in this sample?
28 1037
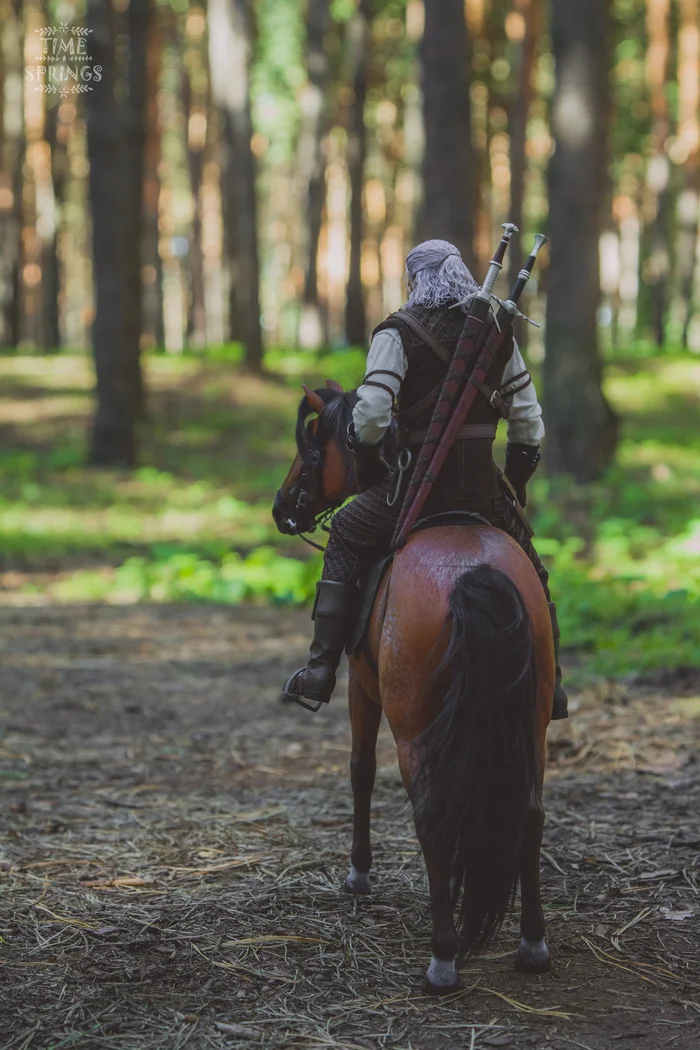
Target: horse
462 665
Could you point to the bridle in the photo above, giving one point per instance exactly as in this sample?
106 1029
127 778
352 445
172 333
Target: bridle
307 488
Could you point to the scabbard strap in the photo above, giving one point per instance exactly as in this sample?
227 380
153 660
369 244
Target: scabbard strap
431 398
429 401
493 397
423 333
469 432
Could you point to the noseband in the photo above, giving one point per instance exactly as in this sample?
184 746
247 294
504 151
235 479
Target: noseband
307 488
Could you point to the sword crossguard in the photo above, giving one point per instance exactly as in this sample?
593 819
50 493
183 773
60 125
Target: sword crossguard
512 310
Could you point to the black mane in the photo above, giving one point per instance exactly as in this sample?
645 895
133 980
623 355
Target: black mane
334 422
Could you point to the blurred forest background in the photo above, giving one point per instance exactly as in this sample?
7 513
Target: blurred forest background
200 205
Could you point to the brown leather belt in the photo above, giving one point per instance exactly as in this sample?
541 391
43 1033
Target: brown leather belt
469 432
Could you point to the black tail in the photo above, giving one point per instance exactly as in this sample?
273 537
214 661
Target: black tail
477 775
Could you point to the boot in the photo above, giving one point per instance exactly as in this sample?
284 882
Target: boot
332 614
560 707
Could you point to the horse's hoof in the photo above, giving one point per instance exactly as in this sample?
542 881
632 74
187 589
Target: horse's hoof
358 882
441 977
533 957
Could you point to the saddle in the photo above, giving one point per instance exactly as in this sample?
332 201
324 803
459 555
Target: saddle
371 578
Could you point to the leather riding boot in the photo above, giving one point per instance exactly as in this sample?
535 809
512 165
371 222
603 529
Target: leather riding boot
333 616
560 706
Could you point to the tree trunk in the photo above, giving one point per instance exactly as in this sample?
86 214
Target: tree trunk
50 264
139 19
689 137
115 148
196 110
12 147
311 171
657 266
448 163
230 47
153 326
358 44
582 429
520 110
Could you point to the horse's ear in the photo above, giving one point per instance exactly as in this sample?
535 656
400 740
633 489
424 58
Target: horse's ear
316 402
332 385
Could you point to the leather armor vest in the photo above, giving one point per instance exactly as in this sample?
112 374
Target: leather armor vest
469 471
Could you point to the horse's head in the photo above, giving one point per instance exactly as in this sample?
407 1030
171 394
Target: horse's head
322 475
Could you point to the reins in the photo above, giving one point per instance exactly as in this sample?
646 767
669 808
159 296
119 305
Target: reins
319 522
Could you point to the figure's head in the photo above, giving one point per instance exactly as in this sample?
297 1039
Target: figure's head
437 276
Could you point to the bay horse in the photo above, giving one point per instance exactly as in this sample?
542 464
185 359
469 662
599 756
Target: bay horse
461 637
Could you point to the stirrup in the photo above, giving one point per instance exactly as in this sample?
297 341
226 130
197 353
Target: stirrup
297 697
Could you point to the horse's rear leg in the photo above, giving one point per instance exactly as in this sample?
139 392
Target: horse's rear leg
365 716
533 953
441 977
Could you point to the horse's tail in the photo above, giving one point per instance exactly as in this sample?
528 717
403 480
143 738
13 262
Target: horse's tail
476 775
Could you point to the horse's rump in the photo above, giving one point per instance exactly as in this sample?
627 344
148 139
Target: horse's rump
407 632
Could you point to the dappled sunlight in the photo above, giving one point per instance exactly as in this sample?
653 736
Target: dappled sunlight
667 462
51 371
653 385
19 413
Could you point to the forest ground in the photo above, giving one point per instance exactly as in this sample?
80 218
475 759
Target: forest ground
176 839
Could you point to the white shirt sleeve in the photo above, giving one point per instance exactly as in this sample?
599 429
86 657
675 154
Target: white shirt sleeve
373 411
525 424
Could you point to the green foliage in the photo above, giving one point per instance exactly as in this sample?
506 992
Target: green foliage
176 576
619 624
347 367
195 524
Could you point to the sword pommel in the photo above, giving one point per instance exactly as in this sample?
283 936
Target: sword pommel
484 293
540 241
510 307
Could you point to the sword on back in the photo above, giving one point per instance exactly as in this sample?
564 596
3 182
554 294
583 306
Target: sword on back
465 351
490 344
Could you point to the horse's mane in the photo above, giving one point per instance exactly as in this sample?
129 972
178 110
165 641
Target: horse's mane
334 422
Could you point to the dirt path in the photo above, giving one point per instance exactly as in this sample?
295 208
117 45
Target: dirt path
175 839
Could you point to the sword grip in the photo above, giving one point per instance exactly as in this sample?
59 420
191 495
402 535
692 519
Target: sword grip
524 275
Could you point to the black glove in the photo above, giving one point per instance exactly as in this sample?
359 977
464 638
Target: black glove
521 464
370 465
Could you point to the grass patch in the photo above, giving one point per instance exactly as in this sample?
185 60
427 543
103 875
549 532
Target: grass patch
195 523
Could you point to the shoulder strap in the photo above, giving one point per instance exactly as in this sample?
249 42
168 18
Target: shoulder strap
423 333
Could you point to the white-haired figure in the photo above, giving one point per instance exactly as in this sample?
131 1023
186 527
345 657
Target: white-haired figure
407 363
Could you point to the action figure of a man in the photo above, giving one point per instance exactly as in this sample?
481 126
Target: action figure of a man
402 369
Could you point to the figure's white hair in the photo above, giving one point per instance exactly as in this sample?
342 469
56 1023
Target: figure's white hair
438 275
